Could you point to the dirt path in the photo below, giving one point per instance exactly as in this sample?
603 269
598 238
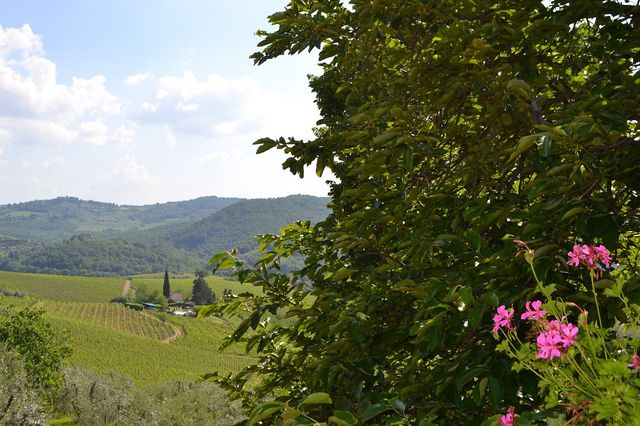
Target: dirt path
126 286
178 334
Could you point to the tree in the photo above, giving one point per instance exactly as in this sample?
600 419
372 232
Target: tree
143 294
43 352
452 128
166 288
201 293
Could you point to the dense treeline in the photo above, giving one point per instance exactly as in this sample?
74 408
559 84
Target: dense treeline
97 257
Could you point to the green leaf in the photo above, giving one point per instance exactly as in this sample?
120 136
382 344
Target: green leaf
317 398
524 144
571 213
372 411
355 332
343 418
265 144
264 411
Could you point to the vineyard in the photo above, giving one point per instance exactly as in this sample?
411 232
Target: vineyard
108 337
114 316
146 361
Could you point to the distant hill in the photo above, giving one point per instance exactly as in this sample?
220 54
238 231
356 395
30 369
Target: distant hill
237 225
60 218
182 246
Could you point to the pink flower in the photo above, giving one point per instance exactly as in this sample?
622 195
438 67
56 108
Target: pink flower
509 419
635 363
502 318
549 345
536 313
556 340
590 256
603 254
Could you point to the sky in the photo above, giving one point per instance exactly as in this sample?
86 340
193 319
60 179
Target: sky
146 101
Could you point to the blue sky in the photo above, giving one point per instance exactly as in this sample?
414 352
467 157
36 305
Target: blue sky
138 102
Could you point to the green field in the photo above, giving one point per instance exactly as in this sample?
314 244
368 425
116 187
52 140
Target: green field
63 288
109 337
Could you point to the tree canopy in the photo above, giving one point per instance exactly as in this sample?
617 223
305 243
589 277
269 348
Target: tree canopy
452 128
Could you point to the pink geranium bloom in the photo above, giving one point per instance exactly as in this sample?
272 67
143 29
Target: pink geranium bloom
603 255
635 363
549 345
589 256
556 339
568 334
502 318
536 313
509 419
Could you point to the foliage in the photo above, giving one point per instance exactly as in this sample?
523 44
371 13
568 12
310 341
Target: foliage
591 375
97 257
20 402
201 293
451 127
32 337
143 294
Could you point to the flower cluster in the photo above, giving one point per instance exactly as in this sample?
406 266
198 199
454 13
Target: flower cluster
591 257
555 337
556 340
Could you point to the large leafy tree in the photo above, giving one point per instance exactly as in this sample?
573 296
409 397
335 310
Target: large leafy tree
452 127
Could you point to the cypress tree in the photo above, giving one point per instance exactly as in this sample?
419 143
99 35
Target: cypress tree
166 289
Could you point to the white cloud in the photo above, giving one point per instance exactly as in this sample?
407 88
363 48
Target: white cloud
36 108
216 106
220 156
124 137
132 80
54 161
126 170
169 138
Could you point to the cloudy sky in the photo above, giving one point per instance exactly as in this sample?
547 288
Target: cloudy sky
145 101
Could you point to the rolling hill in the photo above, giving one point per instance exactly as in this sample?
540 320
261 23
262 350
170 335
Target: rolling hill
180 246
60 218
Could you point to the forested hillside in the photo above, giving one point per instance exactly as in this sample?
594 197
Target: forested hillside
60 218
237 225
184 246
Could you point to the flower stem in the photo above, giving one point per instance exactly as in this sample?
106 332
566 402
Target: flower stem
595 296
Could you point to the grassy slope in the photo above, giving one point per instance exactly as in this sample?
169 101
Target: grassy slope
73 304
63 288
